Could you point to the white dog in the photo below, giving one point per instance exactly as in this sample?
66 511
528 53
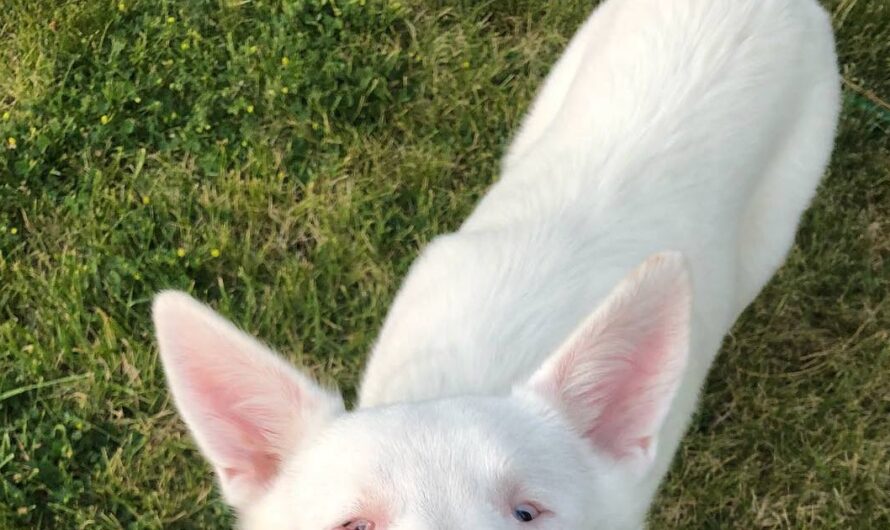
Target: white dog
539 366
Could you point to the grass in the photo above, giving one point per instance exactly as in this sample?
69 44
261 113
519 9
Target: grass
286 160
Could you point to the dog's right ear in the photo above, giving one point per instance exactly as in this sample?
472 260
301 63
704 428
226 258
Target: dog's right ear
247 408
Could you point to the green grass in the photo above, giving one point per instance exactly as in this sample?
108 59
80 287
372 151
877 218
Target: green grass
285 161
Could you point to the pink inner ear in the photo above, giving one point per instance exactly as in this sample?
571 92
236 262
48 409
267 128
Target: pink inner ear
243 438
246 407
616 376
630 398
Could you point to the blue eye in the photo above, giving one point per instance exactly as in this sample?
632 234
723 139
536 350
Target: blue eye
525 512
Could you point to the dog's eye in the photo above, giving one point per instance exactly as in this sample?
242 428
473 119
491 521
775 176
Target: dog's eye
360 524
525 512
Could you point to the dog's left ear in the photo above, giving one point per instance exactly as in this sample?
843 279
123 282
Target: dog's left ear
247 408
616 376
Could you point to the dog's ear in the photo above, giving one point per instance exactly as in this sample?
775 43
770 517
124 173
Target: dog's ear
247 408
616 376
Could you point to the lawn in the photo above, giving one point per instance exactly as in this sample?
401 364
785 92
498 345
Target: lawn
286 160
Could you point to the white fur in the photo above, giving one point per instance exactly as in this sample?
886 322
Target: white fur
696 126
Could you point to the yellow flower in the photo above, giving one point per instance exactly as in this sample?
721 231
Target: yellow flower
214 252
13 230
250 109
171 20
104 119
121 6
137 99
180 252
284 90
10 142
146 200
184 46
285 61
6 116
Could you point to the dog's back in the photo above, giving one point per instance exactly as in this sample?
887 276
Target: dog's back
701 126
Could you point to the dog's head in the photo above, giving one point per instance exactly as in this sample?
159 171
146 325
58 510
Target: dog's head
565 450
